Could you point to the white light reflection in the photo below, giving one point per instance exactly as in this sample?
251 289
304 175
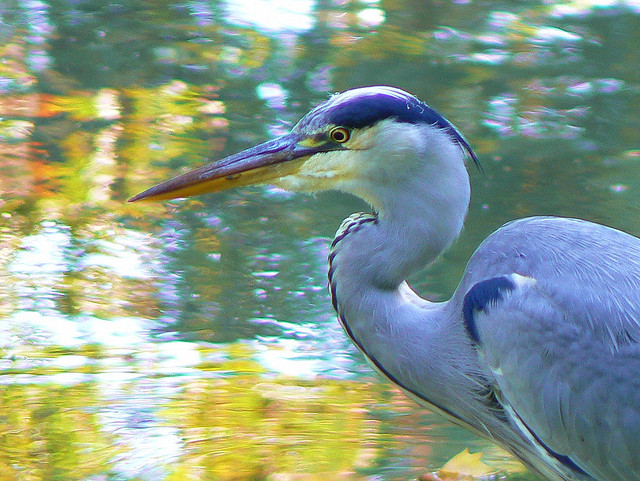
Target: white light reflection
273 94
118 257
287 360
545 35
273 15
42 253
584 7
371 17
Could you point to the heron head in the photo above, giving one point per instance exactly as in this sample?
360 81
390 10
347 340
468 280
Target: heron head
341 144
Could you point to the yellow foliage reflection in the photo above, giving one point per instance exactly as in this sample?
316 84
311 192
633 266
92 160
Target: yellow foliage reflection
47 432
246 428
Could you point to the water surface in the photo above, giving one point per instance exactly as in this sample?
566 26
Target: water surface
195 339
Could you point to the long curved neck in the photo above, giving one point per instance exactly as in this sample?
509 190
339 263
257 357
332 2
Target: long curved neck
371 257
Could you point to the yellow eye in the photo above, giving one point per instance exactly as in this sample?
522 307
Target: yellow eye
340 134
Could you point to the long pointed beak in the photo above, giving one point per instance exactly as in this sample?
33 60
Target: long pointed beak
256 165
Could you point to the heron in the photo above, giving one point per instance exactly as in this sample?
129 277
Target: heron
538 348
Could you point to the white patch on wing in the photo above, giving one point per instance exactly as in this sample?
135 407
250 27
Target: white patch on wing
522 281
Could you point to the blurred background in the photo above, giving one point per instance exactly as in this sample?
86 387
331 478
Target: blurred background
195 339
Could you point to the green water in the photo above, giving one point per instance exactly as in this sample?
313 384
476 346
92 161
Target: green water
195 339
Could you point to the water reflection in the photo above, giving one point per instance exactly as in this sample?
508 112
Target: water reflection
279 15
195 339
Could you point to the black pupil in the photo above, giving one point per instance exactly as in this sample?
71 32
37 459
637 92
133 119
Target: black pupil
339 135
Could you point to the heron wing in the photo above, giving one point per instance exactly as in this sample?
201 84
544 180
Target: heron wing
561 335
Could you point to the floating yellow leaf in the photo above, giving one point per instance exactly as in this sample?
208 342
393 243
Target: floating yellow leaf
465 464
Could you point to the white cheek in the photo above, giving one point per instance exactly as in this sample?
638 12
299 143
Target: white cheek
336 165
338 170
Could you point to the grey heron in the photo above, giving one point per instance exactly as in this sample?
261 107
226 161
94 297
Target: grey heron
538 349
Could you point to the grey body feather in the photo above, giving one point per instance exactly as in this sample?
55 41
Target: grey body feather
564 349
